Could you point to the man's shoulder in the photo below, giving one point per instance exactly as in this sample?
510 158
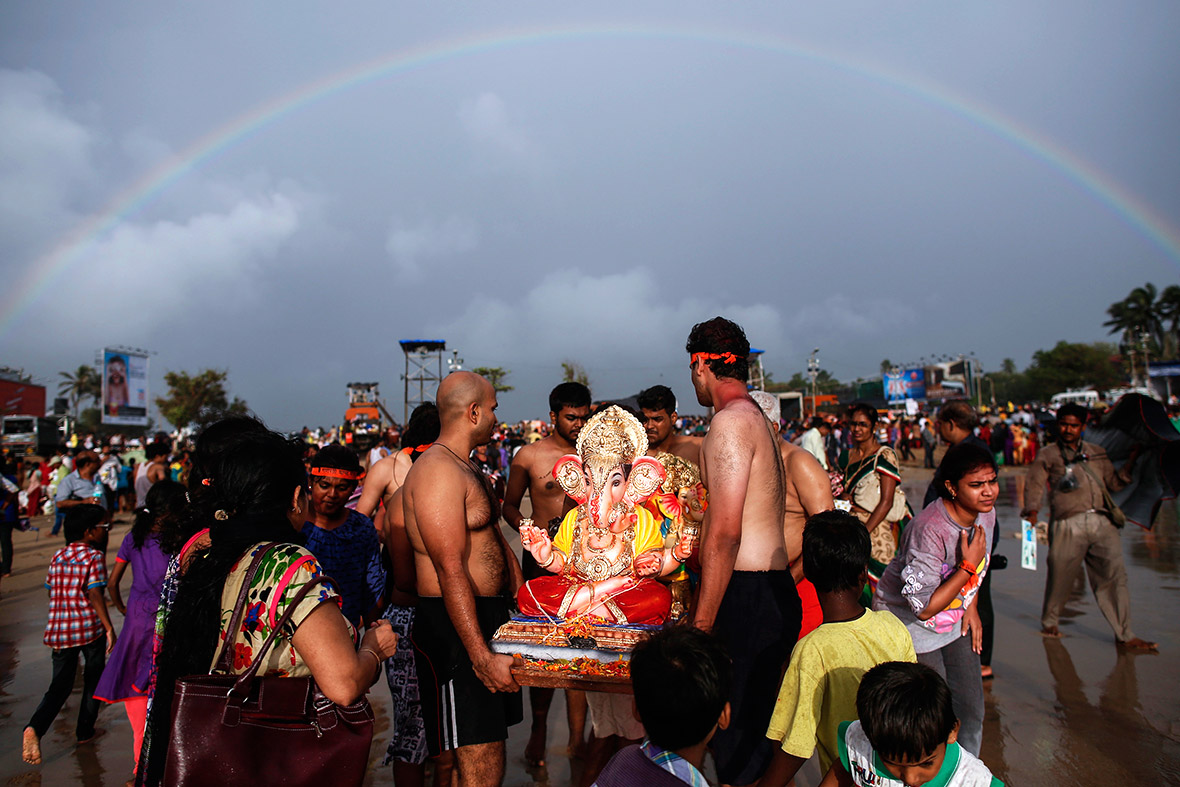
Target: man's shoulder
431 466
542 454
736 417
797 457
1050 451
384 466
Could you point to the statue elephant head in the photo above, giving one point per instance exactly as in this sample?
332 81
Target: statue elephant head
610 474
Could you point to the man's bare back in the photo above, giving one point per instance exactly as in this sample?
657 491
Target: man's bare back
739 456
808 491
383 479
483 559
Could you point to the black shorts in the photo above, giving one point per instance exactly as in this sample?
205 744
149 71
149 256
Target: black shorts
457 709
758 621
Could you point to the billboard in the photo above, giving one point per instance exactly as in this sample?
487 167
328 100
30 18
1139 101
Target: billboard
124 388
908 384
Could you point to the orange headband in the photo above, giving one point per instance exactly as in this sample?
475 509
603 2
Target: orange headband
727 357
335 472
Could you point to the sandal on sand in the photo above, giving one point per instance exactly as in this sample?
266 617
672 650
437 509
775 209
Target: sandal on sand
1143 646
30 749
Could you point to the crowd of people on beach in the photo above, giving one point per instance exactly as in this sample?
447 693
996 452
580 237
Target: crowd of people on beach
829 614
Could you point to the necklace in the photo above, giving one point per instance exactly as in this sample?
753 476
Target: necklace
461 459
613 539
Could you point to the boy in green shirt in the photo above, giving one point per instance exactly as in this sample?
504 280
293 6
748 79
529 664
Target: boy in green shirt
907 735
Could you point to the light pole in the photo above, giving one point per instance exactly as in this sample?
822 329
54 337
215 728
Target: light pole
1143 337
812 374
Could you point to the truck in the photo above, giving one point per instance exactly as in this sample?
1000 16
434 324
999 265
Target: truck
30 435
1086 397
363 419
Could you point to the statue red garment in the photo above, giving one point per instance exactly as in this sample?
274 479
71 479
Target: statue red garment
618 596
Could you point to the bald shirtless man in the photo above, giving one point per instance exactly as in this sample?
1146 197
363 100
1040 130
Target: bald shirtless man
746 597
658 405
532 470
464 583
808 491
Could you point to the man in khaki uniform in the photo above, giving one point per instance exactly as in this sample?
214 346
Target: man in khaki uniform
1080 525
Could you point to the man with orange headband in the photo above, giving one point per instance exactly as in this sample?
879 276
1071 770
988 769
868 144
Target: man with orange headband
342 540
746 596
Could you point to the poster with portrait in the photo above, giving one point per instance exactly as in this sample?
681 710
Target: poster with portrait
124 388
908 384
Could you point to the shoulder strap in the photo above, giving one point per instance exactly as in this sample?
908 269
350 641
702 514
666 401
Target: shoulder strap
1106 496
242 687
224 662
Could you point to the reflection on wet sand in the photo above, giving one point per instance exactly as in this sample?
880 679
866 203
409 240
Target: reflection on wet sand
1075 711
1132 749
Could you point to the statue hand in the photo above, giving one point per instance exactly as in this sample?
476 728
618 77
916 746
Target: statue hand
647 564
683 548
535 540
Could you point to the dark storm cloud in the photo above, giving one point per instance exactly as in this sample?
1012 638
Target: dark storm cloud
583 197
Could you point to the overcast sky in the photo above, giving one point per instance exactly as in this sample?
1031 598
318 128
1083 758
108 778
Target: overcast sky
534 182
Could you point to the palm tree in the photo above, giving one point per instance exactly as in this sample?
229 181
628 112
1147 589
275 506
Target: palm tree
81 384
1169 309
1137 314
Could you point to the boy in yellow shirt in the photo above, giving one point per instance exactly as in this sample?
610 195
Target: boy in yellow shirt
819 689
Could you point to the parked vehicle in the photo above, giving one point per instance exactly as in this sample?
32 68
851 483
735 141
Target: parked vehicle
31 434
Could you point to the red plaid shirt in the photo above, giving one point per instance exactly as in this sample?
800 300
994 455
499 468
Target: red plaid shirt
73 622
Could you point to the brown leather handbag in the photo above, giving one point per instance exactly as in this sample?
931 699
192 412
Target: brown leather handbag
230 729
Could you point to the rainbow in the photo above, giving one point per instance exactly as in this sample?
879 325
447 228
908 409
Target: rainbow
1135 212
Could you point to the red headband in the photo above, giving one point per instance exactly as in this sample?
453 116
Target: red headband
727 357
336 472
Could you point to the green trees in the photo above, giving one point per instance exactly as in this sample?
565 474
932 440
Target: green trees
572 372
1150 317
83 383
1070 365
197 400
494 375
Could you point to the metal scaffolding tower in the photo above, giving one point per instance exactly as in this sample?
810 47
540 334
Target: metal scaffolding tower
424 371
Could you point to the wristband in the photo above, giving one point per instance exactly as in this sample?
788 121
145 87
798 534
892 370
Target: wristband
549 562
968 568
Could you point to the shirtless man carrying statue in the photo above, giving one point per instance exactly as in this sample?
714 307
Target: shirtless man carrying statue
747 596
464 578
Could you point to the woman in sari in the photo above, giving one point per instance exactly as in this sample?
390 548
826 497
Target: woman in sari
871 477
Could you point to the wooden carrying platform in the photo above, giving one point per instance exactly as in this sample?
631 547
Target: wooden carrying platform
532 675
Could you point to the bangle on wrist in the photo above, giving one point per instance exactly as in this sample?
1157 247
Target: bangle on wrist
968 568
549 562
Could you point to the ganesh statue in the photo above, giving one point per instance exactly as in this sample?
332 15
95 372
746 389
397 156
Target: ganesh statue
609 551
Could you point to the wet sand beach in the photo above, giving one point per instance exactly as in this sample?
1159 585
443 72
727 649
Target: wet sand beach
1075 711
